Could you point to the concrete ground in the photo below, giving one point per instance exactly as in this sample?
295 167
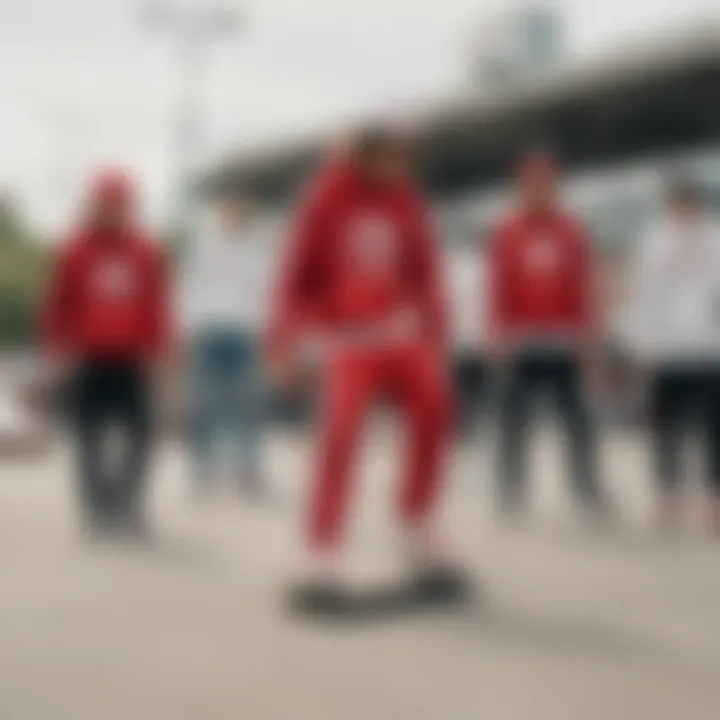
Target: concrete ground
574 623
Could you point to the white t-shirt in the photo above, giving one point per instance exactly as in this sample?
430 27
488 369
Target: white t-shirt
226 282
675 294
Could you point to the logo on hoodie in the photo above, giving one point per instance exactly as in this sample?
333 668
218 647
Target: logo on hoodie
542 255
372 245
116 279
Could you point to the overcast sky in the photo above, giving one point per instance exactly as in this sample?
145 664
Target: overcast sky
84 83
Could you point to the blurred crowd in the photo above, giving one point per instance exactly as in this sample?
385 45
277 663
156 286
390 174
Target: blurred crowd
357 295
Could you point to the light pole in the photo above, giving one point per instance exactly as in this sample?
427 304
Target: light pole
192 31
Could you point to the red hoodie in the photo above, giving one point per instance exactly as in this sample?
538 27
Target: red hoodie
360 253
540 278
107 298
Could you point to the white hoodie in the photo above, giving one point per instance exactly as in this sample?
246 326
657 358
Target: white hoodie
674 313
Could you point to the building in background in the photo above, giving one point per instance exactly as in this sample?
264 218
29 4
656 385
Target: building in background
620 123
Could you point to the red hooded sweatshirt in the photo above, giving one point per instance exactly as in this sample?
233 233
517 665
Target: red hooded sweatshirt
360 253
541 286
107 298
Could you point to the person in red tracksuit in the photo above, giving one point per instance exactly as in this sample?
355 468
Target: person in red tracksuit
105 320
542 327
361 288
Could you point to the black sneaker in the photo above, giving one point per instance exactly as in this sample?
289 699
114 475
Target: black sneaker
442 585
315 599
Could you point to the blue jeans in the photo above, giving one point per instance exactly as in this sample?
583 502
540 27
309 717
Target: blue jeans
226 389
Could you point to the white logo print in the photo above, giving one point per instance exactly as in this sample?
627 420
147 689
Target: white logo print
372 244
115 279
542 256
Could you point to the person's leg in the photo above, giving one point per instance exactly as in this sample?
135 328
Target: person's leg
666 399
135 415
516 390
468 376
566 382
204 394
247 411
89 415
423 392
348 386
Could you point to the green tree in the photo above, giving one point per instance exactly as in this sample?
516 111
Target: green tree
23 261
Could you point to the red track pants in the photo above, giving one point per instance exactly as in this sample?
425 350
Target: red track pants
413 376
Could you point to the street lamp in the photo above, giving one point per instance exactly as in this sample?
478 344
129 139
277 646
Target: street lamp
192 30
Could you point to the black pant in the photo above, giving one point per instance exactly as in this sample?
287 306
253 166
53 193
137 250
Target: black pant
558 374
685 399
469 376
107 396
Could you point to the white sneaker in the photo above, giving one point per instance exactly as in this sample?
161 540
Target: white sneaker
424 548
321 568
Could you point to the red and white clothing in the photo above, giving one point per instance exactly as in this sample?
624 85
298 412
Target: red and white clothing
108 298
541 281
362 279
361 260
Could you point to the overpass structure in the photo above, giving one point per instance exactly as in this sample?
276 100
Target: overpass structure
645 100
620 122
